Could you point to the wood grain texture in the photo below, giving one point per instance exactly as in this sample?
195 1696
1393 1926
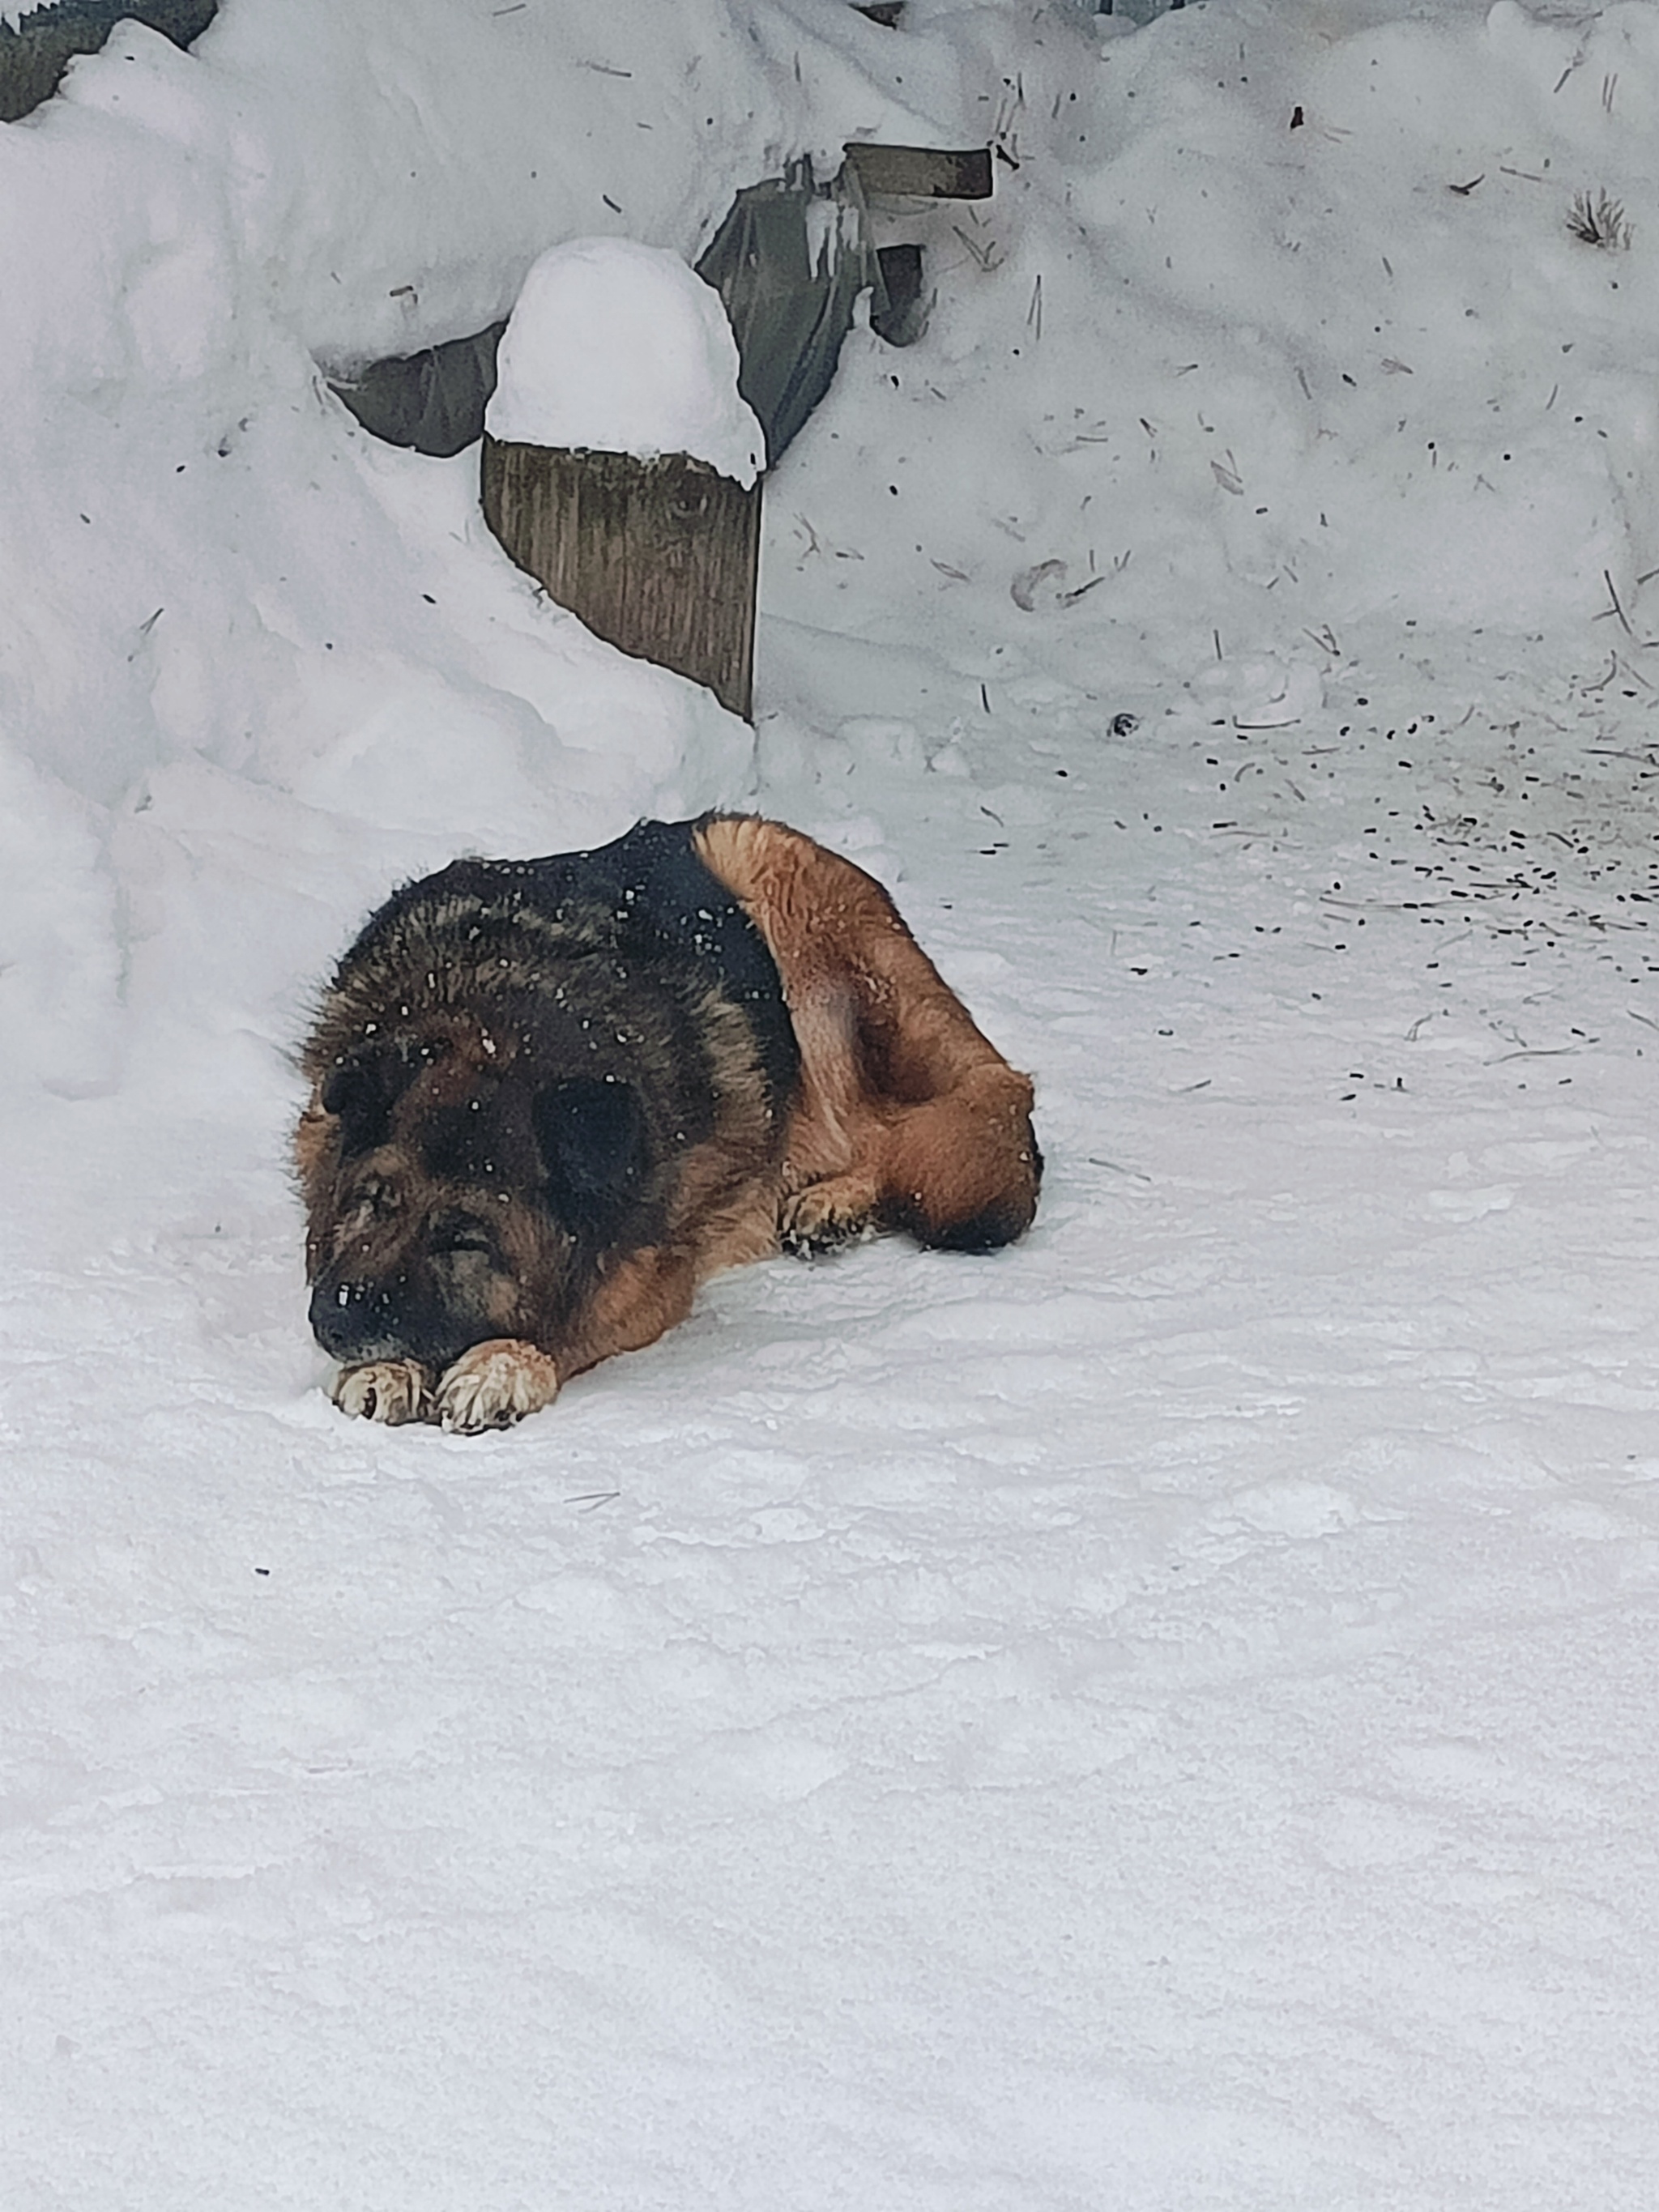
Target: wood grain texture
921 172
660 557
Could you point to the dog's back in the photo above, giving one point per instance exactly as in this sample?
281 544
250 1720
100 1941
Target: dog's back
648 895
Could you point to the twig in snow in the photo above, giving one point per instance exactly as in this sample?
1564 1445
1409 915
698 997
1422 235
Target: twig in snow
986 256
1623 622
1600 222
1618 667
1613 670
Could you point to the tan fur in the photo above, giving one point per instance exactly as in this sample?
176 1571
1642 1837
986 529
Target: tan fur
389 1390
906 1107
495 1384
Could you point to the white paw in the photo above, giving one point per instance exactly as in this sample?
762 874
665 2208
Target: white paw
389 1390
495 1384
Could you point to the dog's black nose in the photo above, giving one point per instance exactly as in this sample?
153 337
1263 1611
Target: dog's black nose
356 1322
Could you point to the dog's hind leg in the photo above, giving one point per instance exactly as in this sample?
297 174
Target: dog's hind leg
908 1117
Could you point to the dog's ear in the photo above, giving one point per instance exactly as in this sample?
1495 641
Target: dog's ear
593 1144
362 1092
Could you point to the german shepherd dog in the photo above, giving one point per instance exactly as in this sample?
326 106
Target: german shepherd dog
550 1097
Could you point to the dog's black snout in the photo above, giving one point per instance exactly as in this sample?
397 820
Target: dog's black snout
354 1321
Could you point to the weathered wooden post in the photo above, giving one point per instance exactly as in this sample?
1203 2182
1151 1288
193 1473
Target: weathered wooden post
622 469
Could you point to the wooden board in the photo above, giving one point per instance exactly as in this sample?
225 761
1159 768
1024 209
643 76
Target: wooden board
921 172
660 557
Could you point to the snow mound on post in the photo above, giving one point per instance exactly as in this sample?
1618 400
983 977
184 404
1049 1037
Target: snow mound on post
619 347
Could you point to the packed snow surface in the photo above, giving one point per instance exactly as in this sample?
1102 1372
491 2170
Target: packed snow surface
1160 1718
622 348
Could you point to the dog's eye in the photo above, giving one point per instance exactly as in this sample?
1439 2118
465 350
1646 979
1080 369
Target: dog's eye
374 1202
460 1237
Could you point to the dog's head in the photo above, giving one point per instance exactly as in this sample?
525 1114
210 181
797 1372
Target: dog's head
460 1188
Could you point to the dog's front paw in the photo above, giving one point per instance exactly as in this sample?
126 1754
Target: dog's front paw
827 1215
495 1384
389 1390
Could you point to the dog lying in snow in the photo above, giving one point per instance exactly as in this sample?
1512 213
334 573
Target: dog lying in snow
550 1097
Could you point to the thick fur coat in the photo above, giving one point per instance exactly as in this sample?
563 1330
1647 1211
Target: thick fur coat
550 1097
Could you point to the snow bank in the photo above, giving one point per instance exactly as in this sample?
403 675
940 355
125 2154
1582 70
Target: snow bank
619 347
211 571
1287 329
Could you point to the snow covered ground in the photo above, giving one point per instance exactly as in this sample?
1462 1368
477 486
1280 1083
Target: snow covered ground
1162 1717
